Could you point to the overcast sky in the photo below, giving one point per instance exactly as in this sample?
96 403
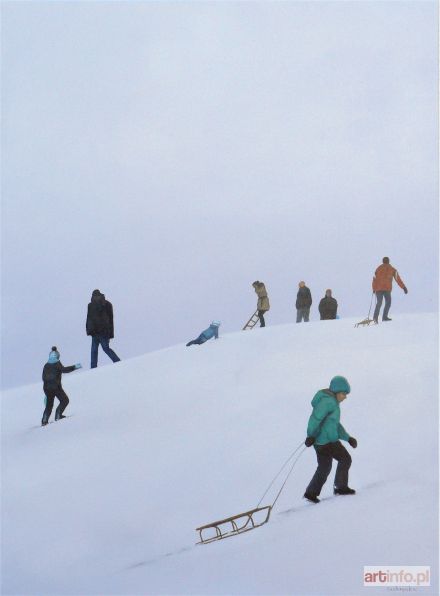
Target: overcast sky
170 154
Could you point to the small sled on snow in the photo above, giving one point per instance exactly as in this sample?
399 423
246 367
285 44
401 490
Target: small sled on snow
366 322
236 524
249 520
252 321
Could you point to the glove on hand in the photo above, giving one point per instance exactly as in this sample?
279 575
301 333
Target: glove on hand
309 441
405 290
79 365
353 442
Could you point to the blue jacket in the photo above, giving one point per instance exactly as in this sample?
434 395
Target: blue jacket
324 422
212 331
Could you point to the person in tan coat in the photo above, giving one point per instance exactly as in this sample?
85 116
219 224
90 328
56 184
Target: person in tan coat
382 285
263 301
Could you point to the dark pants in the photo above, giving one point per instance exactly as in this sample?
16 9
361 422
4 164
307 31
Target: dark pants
51 394
104 341
200 340
302 313
325 455
261 317
379 297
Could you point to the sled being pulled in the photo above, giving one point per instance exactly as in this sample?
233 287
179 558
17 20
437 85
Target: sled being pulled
366 322
237 524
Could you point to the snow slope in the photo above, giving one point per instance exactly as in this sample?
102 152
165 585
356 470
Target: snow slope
106 502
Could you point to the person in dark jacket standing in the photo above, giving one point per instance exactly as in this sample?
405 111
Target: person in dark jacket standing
328 307
52 372
100 326
324 432
303 303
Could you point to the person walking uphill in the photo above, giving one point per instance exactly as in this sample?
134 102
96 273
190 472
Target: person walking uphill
99 325
324 432
212 331
263 301
303 303
52 372
382 285
328 307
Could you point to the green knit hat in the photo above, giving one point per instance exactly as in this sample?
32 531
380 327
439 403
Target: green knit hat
339 385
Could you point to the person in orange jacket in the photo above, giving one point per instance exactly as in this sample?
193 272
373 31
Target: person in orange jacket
382 286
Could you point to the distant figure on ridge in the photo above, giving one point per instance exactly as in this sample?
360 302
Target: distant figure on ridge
263 301
212 331
324 432
52 372
99 325
303 303
328 307
382 286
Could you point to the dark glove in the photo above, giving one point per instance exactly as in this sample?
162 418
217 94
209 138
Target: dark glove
405 290
309 441
353 442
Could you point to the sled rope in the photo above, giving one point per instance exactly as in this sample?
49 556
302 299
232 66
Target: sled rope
279 472
371 303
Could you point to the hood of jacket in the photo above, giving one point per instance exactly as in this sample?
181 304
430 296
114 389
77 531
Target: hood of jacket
323 394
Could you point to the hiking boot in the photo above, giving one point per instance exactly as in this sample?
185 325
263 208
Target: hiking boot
44 422
375 321
344 491
60 417
387 319
311 498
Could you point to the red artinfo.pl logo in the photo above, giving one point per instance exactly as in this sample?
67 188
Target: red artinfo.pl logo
394 575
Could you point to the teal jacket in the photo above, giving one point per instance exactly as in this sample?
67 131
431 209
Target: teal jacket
324 422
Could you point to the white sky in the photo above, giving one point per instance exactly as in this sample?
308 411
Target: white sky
170 154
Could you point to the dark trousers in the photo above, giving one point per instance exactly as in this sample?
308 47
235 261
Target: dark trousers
325 455
261 317
200 340
104 341
379 297
302 313
51 394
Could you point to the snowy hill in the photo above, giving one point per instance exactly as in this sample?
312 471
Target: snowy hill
107 501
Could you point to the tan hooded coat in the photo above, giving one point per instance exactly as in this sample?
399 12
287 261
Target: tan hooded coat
263 300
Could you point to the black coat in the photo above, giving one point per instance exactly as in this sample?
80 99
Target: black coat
304 298
327 308
100 317
52 374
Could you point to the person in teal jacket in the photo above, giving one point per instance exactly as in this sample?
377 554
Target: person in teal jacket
324 432
212 331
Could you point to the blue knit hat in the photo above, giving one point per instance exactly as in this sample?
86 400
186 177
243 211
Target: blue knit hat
216 323
339 385
54 355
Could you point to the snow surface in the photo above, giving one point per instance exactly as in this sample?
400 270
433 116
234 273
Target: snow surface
107 501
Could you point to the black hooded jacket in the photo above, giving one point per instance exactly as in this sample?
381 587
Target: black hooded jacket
304 298
100 316
327 308
52 375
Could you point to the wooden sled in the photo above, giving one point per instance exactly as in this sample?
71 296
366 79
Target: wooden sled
252 321
232 526
366 322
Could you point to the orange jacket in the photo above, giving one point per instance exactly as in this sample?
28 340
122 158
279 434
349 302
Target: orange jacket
383 278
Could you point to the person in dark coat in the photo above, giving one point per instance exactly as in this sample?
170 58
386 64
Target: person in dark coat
99 325
52 371
328 307
303 303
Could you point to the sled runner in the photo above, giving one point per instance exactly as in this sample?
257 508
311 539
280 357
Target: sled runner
231 526
252 321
